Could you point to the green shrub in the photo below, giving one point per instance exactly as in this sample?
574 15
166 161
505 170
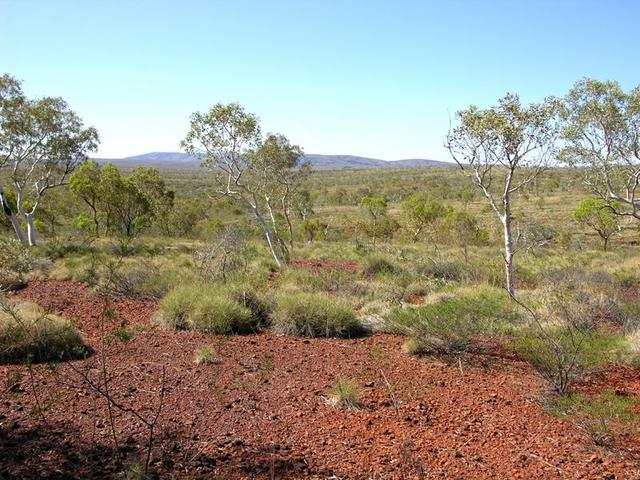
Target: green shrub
376 265
259 306
16 260
28 334
442 270
211 310
562 353
314 315
449 326
597 415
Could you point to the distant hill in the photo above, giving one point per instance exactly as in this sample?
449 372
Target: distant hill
320 162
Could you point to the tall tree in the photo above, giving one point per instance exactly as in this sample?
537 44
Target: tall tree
502 149
42 143
85 185
602 134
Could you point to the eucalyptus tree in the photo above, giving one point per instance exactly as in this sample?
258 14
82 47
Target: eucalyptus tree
227 139
602 135
41 143
599 215
421 212
281 168
502 149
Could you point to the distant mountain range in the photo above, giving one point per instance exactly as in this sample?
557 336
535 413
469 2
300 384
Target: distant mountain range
320 162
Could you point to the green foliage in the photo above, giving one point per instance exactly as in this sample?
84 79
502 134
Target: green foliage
28 334
312 228
204 355
376 222
421 212
16 260
344 394
377 265
450 324
314 315
599 215
597 415
209 309
462 229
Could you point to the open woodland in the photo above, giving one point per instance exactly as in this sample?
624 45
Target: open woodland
258 319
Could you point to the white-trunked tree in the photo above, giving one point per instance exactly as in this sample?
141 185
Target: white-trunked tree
502 149
228 141
41 143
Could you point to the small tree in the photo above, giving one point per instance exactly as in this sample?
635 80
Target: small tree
41 144
421 212
599 215
602 131
503 149
225 138
462 229
85 185
376 222
312 228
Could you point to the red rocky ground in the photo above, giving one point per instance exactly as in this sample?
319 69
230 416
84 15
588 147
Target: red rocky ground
259 412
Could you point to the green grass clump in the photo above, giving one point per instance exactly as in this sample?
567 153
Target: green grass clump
28 334
204 355
205 309
314 315
449 325
376 265
344 394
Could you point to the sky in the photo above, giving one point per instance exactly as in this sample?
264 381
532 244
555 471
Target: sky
374 78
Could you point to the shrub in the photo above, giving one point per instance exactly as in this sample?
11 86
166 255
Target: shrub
314 315
562 353
376 265
597 415
133 280
207 309
28 334
260 307
442 270
344 394
449 326
15 261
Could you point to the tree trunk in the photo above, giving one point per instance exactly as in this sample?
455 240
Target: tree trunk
508 254
267 234
606 242
31 229
285 212
12 217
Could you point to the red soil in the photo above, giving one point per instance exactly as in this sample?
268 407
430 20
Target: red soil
259 412
320 264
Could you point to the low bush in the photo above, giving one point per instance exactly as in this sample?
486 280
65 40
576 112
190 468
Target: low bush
204 355
450 325
562 353
442 270
212 310
16 260
377 265
597 415
314 315
28 334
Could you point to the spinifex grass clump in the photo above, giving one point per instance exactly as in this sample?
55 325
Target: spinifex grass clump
314 315
213 309
29 334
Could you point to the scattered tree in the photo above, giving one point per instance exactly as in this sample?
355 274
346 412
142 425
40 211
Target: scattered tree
41 143
602 131
599 215
421 212
503 149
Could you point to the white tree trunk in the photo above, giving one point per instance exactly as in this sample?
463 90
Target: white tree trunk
31 229
508 254
12 218
267 233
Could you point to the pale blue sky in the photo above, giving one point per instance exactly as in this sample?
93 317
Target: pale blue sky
372 78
